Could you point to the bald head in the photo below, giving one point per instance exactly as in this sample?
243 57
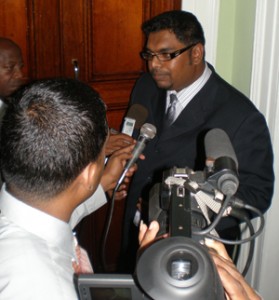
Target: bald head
5 42
11 63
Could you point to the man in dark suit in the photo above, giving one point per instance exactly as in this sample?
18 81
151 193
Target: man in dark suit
175 55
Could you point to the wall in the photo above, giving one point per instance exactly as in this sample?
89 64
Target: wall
228 26
235 42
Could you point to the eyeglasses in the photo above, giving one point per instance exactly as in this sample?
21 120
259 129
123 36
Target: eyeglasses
164 56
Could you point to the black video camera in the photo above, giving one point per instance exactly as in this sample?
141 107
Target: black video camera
177 267
180 202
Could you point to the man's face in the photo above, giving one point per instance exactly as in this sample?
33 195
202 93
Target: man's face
11 63
179 72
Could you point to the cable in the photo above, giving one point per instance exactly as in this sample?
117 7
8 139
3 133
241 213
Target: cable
106 231
212 226
251 248
238 204
243 216
239 242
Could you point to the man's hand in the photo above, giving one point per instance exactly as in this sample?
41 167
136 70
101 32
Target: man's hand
118 141
114 169
147 235
236 287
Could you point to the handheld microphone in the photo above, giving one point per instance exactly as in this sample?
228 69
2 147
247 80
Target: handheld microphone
222 161
147 133
134 119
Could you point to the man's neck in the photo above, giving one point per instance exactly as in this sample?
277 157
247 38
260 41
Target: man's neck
54 206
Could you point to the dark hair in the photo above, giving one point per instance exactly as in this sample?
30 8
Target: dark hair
183 24
56 128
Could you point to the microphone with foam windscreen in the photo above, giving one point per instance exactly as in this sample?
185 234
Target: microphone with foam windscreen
221 158
134 119
147 133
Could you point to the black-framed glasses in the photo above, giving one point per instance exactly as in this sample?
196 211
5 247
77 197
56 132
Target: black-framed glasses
164 56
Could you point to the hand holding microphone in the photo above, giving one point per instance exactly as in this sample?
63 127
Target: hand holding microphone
147 133
114 168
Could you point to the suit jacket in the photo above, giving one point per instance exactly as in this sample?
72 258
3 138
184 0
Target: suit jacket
217 105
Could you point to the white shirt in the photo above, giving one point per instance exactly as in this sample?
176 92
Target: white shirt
187 94
36 251
93 203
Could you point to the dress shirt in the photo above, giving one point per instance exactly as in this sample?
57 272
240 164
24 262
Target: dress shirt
93 203
187 94
37 251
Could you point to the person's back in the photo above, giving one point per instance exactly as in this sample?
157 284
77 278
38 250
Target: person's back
31 266
50 167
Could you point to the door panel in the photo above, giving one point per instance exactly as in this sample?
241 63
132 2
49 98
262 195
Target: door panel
104 37
116 52
13 25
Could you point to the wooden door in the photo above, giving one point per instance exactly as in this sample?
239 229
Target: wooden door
101 40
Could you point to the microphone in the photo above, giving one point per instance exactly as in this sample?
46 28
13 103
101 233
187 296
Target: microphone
135 118
221 161
147 133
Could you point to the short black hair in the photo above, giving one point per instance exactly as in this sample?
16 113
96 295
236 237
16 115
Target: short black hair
183 24
56 128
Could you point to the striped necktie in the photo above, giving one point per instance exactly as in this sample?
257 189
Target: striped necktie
170 115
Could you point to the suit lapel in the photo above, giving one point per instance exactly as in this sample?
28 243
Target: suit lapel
190 118
158 111
194 114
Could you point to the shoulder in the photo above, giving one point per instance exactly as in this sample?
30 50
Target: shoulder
227 96
28 269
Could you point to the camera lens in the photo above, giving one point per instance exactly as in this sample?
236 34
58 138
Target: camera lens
180 269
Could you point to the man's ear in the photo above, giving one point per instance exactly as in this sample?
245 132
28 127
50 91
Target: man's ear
197 53
91 176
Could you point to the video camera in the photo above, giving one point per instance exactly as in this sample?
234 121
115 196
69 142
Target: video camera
179 202
188 205
177 267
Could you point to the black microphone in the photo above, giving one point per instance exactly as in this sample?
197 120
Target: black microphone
221 160
147 133
134 119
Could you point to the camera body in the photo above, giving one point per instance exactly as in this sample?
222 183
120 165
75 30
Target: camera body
175 205
180 267
177 267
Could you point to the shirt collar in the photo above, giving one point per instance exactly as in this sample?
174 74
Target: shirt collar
37 222
185 95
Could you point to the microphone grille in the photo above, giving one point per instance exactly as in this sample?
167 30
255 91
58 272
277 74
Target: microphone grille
148 131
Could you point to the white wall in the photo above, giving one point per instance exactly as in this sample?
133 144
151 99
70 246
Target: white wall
207 12
263 273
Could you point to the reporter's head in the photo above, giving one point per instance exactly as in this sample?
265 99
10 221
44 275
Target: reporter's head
57 128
